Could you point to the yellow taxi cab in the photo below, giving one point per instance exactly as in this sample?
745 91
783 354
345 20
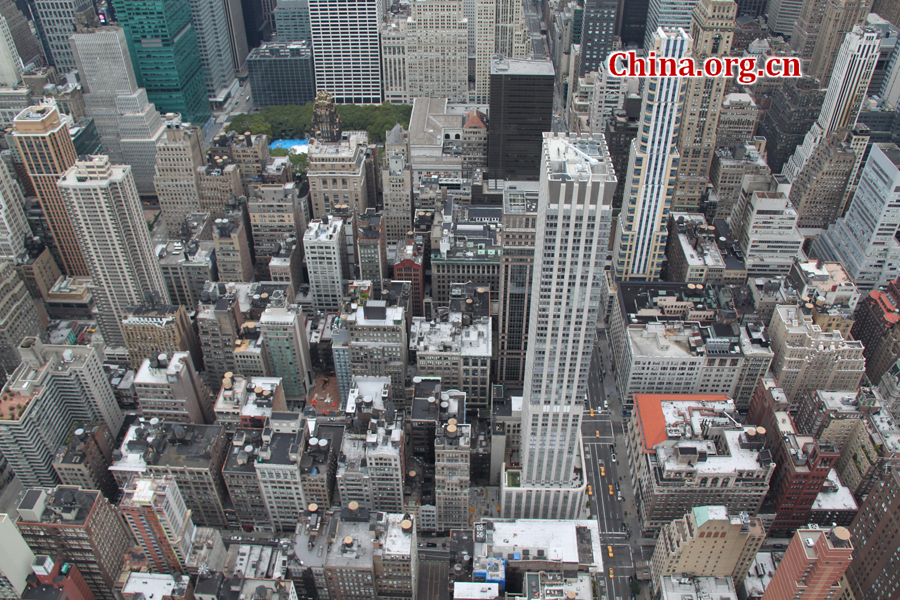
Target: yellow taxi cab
602 471
597 432
611 573
609 549
590 490
610 491
592 412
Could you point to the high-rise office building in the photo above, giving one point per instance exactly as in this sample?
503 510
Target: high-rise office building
15 560
210 21
663 432
53 388
281 73
598 31
109 221
652 165
347 56
667 14
795 107
838 19
573 219
275 216
372 249
18 318
55 22
764 225
171 390
875 570
452 471
166 57
337 171
817 193
708 542
712 27
846 91
128 125
326 262
520 202
396 183
10 63
863 240
499 30
633 24
437 50
378 343
813 565
521 109
84 460
178 154
231 238
27 46
152 329
781 15
292 21
287 345
47 152
64 521
159 520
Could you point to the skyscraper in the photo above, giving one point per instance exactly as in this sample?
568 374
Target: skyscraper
27 46
15 560
498 24
109 222
795 107
520 202
846 91
326 259
782 14
159 520
668 14
56 22
598 30
284 330
128 124
46 148
178 154
292 21
53 388
91 522
347 55
18 317
875 570
210 20
712 27
13 226
521 108
863 240
652 164
839 18
166 57
813 565
573 220
437 57
10 64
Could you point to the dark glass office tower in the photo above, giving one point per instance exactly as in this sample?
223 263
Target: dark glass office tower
166 57
634 22
521 110
597 33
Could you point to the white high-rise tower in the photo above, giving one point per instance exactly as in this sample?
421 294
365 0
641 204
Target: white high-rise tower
847 89
573 226
109 224
652 166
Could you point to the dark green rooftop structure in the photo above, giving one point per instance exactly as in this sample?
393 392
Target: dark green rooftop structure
163 46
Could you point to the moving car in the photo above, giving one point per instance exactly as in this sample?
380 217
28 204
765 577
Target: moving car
610 491
611 573
590 490
609 549
602 471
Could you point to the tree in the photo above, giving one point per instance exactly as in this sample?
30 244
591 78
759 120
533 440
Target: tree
635 588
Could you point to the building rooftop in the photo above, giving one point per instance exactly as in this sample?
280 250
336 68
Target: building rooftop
501 65
62 505
467 590
150 373
253 397
175 252
834 495
396 537
451 335
582 158
149 443
353 547
155 586
556 541
697 588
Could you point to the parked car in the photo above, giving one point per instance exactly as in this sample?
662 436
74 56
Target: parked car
431 545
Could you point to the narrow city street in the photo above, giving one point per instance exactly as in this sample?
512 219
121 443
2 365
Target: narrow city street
603 434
